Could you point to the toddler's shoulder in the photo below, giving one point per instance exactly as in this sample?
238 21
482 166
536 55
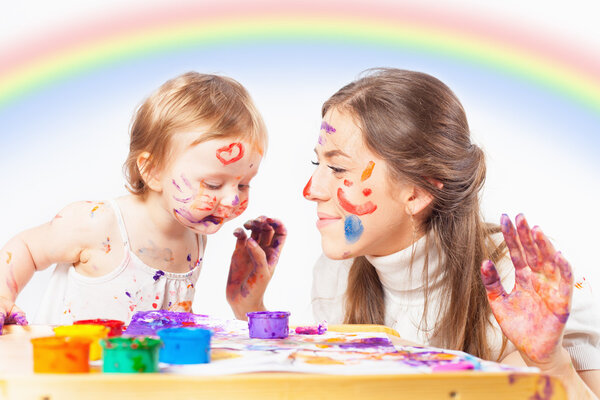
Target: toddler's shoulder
85 217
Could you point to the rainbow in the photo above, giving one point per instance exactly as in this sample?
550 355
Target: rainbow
92 44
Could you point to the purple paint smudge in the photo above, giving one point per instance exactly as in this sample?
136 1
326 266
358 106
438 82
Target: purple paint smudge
187 183
176 185
128 294
158 274
312 330
190 218
236 201
186 200
328 128
322 140
369 342
189 257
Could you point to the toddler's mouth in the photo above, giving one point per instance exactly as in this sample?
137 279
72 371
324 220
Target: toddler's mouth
213 218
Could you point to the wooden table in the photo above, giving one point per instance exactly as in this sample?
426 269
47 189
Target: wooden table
17 381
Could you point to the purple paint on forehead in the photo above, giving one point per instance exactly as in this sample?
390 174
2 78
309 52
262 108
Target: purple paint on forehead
185 200
176 185
236 201
328 128
158 274
187 183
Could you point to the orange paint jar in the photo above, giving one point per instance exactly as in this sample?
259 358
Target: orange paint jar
61 354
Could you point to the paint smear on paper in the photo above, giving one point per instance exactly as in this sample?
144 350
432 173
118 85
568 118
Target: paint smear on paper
366 174
361 209
230 154
353 228
327 128
306 191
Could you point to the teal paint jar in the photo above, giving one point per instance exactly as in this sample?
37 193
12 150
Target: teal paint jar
124 354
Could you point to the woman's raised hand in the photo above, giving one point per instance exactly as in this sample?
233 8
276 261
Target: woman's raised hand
253 263
534 314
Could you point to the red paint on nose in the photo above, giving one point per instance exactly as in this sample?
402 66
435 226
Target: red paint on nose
306 191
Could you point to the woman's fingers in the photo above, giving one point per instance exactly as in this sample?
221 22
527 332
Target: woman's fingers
517 254
491 281
532 253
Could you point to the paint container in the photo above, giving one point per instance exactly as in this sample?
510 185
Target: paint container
61 354
185 345
93 332
130 354
115 326
268 324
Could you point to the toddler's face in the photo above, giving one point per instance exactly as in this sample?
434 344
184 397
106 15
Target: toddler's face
208 183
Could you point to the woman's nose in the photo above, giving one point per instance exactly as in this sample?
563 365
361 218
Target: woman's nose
315 190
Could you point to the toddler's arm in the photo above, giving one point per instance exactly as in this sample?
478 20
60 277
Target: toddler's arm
60 240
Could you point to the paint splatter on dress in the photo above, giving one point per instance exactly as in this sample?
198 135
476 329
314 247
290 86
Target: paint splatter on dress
132 286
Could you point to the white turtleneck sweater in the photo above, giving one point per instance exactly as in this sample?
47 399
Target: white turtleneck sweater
404 301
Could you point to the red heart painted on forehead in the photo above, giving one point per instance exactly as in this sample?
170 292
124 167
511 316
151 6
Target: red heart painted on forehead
229 154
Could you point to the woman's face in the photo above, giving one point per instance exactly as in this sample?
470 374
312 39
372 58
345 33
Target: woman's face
360 210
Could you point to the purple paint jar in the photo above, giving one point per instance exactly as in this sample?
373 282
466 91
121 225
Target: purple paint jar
268 324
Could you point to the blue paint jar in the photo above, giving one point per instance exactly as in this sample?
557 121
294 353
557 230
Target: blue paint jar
268 324
185 345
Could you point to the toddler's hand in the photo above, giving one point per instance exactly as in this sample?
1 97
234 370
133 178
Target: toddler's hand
10 314
253 263
534 314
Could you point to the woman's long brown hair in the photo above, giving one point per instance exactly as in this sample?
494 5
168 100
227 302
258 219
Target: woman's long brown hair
418 126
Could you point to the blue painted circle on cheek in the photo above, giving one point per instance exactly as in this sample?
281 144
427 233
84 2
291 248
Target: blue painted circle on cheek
353 228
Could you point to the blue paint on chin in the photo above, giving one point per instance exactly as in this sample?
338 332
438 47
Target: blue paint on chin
353 228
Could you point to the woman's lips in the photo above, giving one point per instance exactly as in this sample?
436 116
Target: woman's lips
326 219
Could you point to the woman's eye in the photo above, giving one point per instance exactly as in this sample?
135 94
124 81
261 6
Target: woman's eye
336 170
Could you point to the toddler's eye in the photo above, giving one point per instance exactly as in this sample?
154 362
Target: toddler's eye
314 162
211 186
243 188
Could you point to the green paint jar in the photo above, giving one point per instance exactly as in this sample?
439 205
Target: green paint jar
133 354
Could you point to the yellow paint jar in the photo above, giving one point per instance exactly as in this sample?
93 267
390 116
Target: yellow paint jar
92 332
61 354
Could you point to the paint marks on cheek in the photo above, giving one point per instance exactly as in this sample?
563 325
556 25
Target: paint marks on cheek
186 182
327 128
184 200
353 228
236 201
176 185
106 245
367 192
306 191
366 174
231 153
348 183
361 209
241 208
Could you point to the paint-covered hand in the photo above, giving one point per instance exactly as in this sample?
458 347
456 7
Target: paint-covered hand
10 314
253 263
534 314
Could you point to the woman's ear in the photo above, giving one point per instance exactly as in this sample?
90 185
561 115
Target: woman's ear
149 175
416 199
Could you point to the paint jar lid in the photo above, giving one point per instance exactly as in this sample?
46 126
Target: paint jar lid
128 342
268 314
60 342
185 333
81 330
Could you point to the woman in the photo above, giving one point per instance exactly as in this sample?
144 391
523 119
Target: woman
397 188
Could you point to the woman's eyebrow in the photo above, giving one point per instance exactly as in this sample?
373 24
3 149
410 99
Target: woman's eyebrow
334 153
